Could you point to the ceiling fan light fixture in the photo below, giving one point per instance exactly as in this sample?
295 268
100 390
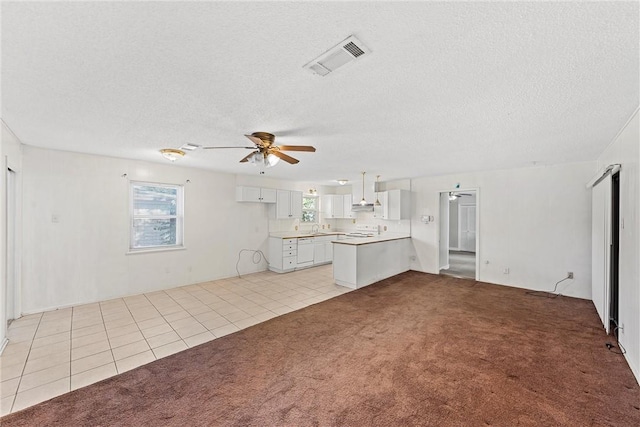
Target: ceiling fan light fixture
271 160
452 196
172 154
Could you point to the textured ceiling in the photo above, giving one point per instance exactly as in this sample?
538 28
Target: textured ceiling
448 87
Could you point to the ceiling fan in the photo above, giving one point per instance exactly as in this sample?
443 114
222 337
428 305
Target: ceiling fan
455 195
265 152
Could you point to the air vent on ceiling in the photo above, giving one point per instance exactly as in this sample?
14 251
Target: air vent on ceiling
339 55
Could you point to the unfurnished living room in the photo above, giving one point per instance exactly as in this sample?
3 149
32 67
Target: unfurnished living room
320 213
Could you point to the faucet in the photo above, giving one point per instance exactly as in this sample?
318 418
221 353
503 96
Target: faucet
315 228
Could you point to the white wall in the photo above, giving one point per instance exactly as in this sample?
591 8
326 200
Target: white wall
625 150
534 221
83 257
10 153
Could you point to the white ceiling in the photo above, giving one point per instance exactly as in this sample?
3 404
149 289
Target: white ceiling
448 86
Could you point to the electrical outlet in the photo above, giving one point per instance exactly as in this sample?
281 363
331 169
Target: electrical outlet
412 257
505 271
570 275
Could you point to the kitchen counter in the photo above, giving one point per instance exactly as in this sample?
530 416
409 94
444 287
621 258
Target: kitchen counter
373 239
297 234
359 262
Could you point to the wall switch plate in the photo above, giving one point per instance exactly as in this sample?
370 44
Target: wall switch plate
55 218
505 271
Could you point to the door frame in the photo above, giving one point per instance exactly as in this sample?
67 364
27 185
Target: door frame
460 222
478 234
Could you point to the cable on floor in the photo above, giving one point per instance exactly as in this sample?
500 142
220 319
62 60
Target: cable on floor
256 258
620 346
547 294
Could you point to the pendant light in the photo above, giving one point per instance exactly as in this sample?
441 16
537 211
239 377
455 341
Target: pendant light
377 203
363 202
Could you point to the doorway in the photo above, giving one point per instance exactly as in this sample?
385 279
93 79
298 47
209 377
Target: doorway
10 249
458 233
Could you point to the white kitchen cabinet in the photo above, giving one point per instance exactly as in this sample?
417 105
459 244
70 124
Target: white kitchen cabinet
332 206
347 201
323 249
396 205
288 204
283 254
255 194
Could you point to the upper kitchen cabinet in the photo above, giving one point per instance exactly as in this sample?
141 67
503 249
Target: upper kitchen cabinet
347 201
333 206
396 205
255 194
288 204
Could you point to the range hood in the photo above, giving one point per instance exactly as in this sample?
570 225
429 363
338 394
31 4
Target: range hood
357 207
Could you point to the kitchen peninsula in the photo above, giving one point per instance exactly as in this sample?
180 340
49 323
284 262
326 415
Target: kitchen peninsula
362 261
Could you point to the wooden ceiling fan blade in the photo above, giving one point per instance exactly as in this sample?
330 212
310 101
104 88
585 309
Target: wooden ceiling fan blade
212 148
256 140
297 148
284 157
246 158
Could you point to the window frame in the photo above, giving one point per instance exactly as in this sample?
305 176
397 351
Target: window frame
316 210
179 217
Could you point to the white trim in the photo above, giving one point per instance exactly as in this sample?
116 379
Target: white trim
155 249
179 216
3 345
622 129
477 191
611 169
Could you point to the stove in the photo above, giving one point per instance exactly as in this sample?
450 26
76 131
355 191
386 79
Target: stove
363 230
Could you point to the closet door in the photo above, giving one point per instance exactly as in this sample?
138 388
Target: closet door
601 248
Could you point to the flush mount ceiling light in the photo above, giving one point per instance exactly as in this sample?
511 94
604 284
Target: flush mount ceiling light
344 52
343 181
172 154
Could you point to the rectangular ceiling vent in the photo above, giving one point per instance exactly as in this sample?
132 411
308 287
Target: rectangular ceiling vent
341 54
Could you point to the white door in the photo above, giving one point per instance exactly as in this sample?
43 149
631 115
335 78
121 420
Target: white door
10 297
601 248
444 231
467 228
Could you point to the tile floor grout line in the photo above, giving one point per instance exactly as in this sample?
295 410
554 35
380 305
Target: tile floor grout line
15 396
163 318
107 333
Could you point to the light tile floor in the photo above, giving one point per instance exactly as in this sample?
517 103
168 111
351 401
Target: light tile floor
54 352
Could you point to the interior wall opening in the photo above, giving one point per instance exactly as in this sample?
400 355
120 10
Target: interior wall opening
458 233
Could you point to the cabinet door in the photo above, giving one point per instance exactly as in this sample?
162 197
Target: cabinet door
382 211
247 194
318 253
296 204
328 251
267 195
283 204
337 208
326 207
399 205
347 202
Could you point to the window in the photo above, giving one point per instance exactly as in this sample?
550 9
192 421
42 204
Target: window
156 215
310 209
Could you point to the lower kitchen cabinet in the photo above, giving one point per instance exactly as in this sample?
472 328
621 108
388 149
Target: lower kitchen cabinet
323 250
283 254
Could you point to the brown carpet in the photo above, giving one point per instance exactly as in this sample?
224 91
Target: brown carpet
415 349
